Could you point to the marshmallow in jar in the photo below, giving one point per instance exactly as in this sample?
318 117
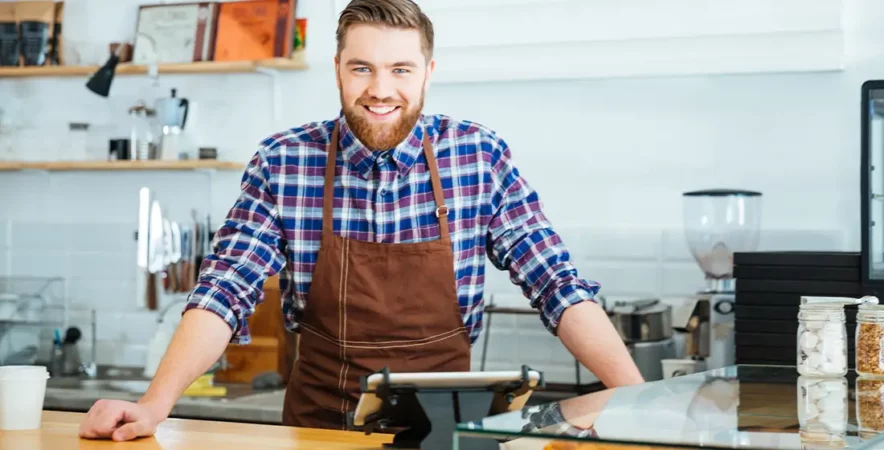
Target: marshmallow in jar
822 340
822 408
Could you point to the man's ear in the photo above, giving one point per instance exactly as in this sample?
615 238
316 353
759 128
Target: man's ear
431 66
338 69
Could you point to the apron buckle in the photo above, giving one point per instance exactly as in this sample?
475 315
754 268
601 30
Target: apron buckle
441 210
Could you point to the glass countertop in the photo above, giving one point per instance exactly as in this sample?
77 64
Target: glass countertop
737 407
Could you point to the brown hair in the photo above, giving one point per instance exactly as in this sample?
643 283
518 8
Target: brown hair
392 13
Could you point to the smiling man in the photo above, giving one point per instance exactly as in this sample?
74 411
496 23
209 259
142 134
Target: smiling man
379 222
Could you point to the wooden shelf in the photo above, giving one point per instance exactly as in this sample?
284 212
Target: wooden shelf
210 67
70 166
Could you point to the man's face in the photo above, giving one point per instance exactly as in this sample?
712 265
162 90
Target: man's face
382 76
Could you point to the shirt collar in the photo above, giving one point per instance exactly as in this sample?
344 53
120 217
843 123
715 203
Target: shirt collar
363 159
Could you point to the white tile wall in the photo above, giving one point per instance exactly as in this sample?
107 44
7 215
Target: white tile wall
631 146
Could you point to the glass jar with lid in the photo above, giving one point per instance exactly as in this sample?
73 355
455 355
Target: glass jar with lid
822 340
822 409
870 340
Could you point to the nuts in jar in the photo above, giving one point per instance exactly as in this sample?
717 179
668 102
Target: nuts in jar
869 405
870 341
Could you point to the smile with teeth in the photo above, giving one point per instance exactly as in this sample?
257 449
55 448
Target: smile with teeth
382 110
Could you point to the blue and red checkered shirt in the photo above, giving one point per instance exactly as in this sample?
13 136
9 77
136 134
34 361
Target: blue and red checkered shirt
276 223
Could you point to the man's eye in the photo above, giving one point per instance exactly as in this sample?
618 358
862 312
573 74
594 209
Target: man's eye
361 69
400 71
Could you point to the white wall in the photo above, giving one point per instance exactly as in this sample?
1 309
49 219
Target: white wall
630 145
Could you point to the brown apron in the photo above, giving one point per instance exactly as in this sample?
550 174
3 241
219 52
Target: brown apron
372 305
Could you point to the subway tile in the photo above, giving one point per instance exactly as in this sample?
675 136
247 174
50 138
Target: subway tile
4 262
136 327
24 196
103 294
225 190
499 320
119 267
38 235
177 193
498 281
503 346
543 348
117 353
624 278
682 279
5 229
529 323
111 237
512 298
602 244
38 263
786 240
675 245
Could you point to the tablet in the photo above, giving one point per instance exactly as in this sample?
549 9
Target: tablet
370 403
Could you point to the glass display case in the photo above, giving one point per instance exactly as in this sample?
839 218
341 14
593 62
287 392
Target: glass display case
872 183
736 407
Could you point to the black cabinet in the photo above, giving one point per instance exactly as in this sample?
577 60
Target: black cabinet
769 289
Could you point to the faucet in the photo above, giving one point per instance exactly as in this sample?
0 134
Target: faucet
166 308
90 369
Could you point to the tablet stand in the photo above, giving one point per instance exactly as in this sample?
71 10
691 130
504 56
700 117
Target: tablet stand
405 409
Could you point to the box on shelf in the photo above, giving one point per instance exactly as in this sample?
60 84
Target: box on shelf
30 32
256 29
175 33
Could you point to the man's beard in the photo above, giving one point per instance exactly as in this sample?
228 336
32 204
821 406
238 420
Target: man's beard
381 136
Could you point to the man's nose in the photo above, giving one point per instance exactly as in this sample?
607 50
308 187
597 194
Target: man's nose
381 86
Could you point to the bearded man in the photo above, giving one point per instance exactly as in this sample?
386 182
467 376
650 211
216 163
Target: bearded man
379 222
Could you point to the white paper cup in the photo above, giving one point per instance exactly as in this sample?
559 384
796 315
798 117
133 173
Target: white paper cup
22 390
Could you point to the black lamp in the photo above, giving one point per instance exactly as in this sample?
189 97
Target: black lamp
100 81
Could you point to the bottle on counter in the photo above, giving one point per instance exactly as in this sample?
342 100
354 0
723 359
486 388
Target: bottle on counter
869 334
822 340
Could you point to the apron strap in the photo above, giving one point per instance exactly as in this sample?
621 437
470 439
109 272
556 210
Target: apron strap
438 194
328 192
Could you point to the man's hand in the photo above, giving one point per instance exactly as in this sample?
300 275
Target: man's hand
199 341
118 420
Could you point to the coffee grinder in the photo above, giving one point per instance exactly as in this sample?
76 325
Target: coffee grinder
717 223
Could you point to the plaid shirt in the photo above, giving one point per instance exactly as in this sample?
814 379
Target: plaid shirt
276 223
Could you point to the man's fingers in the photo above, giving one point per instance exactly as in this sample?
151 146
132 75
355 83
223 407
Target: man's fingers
103 419
120 421
131 431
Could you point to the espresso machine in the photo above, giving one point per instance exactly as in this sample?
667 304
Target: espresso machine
717 223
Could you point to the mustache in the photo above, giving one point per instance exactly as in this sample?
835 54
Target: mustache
374 101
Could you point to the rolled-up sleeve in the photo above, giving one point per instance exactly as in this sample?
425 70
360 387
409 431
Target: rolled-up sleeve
247 249
522 241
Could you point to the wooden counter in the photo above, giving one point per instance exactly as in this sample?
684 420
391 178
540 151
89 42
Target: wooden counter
59 432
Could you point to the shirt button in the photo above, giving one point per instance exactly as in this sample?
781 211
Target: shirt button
383 192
